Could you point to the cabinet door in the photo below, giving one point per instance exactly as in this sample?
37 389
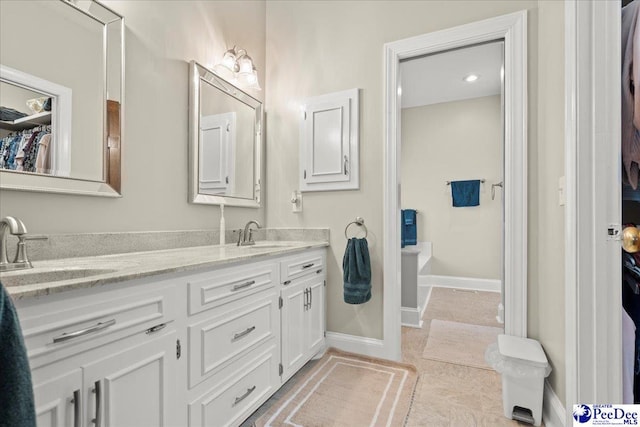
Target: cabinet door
217 153
315 317
329 142
293 328
134 387
58 401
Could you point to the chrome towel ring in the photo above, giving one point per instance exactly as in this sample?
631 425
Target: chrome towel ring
360 222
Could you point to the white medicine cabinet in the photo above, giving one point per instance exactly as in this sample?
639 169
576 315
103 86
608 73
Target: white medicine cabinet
329 133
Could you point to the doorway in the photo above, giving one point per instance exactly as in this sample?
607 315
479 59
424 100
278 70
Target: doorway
511 29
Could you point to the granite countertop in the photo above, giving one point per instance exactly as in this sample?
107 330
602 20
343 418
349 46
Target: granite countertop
54 276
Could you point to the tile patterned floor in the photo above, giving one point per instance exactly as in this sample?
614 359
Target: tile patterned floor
449 395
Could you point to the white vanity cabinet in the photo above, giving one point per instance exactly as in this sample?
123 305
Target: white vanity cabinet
203 348
103 357
303 310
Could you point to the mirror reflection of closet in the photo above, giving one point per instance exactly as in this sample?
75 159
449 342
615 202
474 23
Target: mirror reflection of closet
61 72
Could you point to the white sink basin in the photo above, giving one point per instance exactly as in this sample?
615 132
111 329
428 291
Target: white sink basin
53 271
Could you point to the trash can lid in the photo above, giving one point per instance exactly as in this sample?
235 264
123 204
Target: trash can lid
524 349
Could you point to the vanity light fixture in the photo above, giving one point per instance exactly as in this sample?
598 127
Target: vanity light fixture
237 67
471 78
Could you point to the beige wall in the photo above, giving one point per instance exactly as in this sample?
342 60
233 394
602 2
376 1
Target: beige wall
317 47
546 216
161 37
447 142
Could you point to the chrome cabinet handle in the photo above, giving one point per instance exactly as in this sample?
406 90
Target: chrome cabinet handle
243 333
346 163
95 328
244 396
242 286
98 392
286 282
307 266
310 299
77 406
156 328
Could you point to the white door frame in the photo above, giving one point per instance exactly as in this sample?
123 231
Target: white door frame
511 28
592 166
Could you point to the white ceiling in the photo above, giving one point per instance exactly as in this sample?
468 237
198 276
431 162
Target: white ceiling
439 78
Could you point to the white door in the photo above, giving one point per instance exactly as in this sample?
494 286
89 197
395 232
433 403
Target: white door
135 387
58 401
293 328
315 316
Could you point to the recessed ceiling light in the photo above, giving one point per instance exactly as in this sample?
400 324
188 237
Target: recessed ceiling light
471 78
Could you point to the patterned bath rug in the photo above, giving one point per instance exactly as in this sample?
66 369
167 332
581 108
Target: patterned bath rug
348 390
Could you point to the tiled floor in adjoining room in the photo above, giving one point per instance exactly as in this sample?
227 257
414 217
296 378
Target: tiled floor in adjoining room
447 394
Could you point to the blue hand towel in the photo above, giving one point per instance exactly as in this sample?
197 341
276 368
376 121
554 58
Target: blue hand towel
356 266
465 193
409 228
16 391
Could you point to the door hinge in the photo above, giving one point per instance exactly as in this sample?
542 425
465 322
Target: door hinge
280 303
178 349
280 369
613 232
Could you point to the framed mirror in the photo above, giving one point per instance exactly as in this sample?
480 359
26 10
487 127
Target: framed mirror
61 93
225 141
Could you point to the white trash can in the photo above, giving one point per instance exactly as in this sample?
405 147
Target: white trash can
523 366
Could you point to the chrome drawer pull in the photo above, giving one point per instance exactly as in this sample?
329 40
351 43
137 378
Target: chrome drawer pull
155 328
243 333
95 328
244 396
286 282
307 265
244 285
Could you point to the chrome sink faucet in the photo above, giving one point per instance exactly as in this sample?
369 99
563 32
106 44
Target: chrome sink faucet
245 237
17 228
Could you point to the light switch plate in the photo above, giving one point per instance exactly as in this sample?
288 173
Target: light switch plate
562 195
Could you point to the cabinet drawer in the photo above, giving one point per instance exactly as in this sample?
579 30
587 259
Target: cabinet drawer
301 265
93 320
236 399
215 342
212 289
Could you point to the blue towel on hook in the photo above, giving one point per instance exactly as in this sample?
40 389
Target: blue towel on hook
16 390
409 227
356 266
465 193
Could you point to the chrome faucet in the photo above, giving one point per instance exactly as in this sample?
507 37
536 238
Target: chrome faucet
17 228
245 237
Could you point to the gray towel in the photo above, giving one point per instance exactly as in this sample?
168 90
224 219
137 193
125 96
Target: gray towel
356 267
16 392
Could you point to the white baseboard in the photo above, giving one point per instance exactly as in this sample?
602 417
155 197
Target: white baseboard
553 412
424 290
411 317
487 285
354 344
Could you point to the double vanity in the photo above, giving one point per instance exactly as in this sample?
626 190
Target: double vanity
195 336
